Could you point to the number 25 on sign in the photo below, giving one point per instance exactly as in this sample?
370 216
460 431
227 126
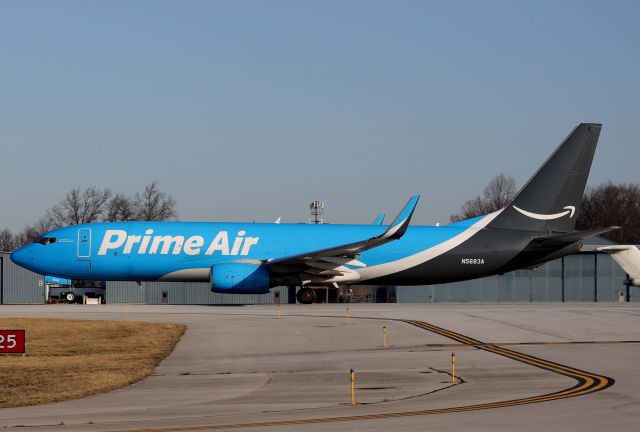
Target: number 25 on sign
12 342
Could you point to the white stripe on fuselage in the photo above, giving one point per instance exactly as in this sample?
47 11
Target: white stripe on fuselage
375 271
406 263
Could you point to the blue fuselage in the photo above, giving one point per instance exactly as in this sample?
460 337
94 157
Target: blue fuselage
151 251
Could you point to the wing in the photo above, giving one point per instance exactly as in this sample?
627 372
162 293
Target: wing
330 265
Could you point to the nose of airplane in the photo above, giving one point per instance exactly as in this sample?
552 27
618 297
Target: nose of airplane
23 256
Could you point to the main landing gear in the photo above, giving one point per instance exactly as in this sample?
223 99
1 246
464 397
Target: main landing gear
306 295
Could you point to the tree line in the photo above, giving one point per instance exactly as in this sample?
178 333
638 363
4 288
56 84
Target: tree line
608 204
93 204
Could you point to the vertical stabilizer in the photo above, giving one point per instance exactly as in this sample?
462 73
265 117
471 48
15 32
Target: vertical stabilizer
550 201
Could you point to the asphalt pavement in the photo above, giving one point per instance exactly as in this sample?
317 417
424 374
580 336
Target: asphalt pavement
519 367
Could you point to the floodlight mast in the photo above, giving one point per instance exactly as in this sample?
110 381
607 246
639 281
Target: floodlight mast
317 212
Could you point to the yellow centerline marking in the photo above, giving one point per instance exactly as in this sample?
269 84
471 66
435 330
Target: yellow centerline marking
587 382
501 344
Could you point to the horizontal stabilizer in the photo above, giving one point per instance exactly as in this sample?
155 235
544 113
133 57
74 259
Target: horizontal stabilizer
568 238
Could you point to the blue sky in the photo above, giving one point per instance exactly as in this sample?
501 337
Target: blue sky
249 110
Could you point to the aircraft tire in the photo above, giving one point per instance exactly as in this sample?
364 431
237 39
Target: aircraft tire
306 296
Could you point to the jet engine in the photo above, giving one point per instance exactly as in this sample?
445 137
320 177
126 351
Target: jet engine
240 278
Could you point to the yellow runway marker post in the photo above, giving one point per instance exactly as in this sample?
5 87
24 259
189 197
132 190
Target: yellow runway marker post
384 336
453 368
279 312
353 387
125 308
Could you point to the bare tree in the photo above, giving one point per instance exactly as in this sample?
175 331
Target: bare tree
7 240
31 232
498 193
154 205
92 205
612 204
80 206
45 223
120 208
28 235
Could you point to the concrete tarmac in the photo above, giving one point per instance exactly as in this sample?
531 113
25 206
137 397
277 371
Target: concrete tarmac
243 368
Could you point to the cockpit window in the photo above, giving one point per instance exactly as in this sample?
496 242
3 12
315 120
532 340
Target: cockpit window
46 240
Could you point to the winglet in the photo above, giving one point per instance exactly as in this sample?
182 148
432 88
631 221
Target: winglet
401 222
347 254
379 219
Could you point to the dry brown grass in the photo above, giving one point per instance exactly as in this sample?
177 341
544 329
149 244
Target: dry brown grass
69 359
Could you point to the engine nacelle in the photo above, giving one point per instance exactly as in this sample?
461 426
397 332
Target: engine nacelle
240 278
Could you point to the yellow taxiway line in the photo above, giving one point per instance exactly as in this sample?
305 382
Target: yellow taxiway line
587 382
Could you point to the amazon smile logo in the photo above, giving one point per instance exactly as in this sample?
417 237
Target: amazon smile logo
569 210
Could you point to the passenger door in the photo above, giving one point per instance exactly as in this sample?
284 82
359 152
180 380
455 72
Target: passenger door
84 243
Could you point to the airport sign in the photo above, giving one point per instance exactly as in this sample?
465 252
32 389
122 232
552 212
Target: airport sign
12 341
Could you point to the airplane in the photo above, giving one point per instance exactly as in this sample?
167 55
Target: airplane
627 257
537 226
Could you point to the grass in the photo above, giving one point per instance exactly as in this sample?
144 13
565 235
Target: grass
68 359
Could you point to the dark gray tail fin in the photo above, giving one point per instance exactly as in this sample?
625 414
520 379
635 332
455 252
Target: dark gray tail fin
550 200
